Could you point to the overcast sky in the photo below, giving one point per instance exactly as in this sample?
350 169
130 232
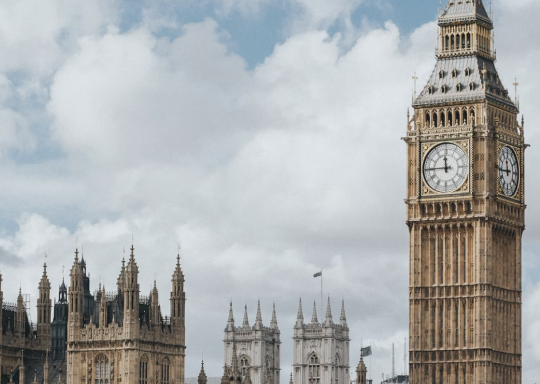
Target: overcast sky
263 135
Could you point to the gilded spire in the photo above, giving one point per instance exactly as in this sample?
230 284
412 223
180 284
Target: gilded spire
314 319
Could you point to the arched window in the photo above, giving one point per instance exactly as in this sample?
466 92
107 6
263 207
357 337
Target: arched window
468 41
444 88
143 370
454 73
443 119
435 122
441 74
457 118
428 119
431 90
465 121
244 365
447 46
459 87
467 71
452 42
314 367
471 86
457 42
102 370
165 371
463 41
450 119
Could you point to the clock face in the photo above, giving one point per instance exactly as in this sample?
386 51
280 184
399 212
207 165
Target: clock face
446 167
508 171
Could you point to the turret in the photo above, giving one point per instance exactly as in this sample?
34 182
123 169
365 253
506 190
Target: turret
155 312
20 320
361 372
273 323
103 309
328 318
230 321
314 319
202 379
178 297
76 294
44 310
131 296
300 317
121 278
258 319
245 323
343 318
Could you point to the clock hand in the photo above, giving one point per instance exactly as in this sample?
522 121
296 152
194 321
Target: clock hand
445 165
438 169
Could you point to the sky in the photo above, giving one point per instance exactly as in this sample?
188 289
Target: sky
263 136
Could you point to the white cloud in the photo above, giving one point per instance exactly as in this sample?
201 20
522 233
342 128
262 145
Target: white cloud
263 175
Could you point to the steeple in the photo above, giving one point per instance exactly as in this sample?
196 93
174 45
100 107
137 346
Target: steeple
62 293
202 379
258 319
245 323
178 296
44 304
273 323
291 380
21 311
230 321
131 296
76 293
328 319
343 318
300 316
122 277
314 319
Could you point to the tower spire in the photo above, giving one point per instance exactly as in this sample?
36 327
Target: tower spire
273 323
314 319
343 318
328 319
300 316
258 319
246 320
230 321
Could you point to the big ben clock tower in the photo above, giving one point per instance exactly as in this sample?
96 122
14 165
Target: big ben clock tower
465 212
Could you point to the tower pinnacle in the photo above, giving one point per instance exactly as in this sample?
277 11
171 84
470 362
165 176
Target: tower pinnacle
314 319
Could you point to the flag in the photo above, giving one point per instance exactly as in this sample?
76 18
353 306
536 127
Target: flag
318 274
366 351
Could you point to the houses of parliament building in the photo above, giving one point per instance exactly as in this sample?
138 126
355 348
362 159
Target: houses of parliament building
100 338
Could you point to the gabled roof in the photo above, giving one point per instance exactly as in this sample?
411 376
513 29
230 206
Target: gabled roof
464 10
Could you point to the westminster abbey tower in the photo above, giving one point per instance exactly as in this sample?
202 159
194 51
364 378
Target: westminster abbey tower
465 211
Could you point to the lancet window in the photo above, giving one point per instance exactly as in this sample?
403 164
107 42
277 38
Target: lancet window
143 371
165 371
102 370
314 367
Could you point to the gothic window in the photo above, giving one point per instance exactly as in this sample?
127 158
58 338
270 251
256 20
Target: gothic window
444 88
441 74
435 122
314 370
454 73
165 371
102 370
465 117
450 119
447 46
443 119
428 119
244 365
143 371
468 41
459 87
467 72
463 41
431 90
457 117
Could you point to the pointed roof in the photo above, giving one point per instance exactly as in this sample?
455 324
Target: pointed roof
245 323
314 319
202 375
178 275
273 323
300 317
230 321
132 264
44 283
328 318
258 319
459 11
343 318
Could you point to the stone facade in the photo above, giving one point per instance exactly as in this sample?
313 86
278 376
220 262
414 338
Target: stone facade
321 350
23 345
252 352
125 339
465 212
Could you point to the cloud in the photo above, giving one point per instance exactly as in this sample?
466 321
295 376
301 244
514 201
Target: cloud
263 175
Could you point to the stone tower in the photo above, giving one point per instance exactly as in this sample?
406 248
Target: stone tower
465 211
44 309
59 324
257 348
321 350
361 372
